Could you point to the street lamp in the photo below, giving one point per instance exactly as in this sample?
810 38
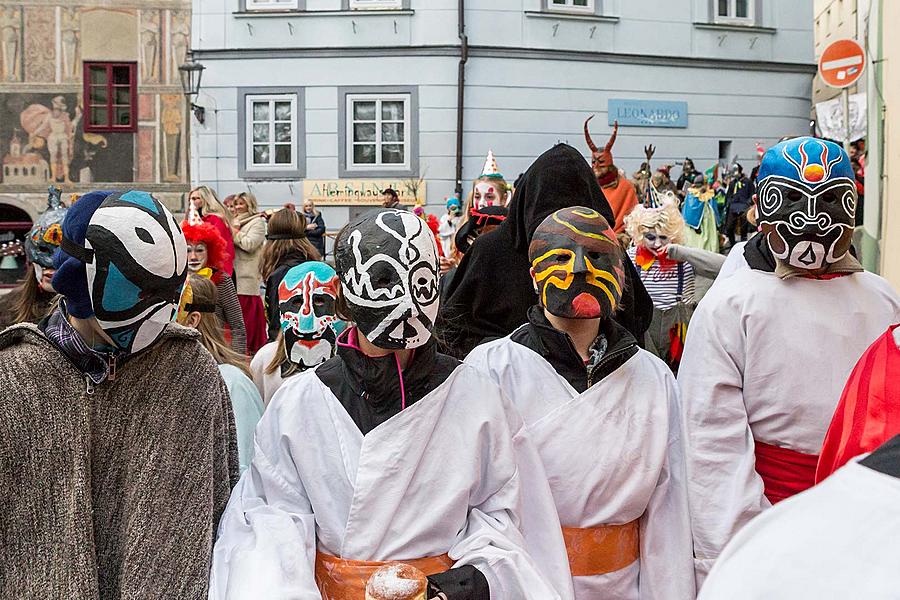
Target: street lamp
190 73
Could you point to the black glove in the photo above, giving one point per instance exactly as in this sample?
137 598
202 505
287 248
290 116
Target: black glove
462 583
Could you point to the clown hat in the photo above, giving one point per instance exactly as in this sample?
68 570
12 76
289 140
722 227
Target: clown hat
490 167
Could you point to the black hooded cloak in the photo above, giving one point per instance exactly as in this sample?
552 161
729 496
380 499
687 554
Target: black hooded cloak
492 290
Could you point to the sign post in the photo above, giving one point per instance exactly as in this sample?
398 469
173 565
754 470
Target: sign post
840 66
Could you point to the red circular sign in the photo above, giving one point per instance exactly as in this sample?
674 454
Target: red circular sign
842 63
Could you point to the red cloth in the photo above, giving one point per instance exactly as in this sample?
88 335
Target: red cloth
254 322
868 413
223 229
784 472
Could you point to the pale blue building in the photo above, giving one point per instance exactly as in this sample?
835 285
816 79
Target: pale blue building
287 82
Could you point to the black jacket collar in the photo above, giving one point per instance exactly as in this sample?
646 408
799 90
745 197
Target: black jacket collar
556 348
370 388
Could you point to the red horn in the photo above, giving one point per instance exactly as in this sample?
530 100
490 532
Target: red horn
587 136
612 138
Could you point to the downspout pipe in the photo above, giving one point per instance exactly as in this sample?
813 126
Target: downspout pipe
461 94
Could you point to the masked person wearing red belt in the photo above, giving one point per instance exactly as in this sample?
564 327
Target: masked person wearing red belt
390 451
769 349
603 414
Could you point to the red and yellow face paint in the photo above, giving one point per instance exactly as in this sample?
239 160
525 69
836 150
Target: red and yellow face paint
576 264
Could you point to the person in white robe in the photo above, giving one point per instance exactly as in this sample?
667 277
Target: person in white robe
390 451
770 347
836 540
604 415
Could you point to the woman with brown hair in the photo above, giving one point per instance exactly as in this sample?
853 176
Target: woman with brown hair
287 247
212 211
30 301
199 312
249 231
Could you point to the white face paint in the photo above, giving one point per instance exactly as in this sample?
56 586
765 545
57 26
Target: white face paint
388 266
487 193
654 242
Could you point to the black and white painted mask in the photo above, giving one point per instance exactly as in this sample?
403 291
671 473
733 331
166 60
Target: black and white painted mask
388 265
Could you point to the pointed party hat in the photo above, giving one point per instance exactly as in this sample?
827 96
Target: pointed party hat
193 216
490 167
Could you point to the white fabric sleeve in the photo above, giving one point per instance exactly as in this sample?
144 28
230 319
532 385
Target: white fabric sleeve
667 568
266 547
724 489
513 536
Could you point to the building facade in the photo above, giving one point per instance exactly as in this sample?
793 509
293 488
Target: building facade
90 98
301 95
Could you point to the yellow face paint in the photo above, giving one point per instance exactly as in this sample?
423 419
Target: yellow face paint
577 264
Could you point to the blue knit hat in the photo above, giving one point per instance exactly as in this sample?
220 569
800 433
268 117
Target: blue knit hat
70 279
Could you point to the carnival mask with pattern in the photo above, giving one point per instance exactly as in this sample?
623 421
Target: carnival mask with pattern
306 303
576 263
806 204
388 265
136 267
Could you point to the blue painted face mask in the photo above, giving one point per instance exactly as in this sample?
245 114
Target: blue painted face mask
135 257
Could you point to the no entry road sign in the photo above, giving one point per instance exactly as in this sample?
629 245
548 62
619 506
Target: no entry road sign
842 63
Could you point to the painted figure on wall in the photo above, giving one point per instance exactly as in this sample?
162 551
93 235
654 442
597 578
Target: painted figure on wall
42 141
57 128
171 119
10 43
150 50
70 42
180 41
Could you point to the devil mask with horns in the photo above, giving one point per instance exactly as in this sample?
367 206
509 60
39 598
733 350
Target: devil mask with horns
602 160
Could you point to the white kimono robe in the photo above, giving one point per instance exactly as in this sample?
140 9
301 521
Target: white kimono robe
836 540
453 473
766 359
613 454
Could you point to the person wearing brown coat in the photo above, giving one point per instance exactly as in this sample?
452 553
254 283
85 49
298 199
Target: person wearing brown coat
117 440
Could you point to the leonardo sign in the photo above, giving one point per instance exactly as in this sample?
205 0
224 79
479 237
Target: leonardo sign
356 192
648 113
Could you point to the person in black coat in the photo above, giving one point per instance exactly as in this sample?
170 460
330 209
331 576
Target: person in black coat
315 227
492 290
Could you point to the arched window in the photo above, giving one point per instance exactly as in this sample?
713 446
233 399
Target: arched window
14 226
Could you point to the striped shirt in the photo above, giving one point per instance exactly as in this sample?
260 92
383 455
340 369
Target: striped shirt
662 285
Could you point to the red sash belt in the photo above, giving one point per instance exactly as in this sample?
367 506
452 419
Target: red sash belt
784 472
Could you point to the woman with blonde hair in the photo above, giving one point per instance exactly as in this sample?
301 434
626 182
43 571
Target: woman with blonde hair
212 211
249 232
198 311
287 246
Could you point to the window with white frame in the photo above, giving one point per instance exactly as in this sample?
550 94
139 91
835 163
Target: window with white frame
734 11
271 4
574 6
376 4
271 125
378 132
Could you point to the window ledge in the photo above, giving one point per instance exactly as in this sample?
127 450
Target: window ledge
268 14
735 27
571 16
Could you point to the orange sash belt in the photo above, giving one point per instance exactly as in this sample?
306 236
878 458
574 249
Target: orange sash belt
343 579
603 549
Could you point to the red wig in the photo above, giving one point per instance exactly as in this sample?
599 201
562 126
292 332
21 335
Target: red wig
206 233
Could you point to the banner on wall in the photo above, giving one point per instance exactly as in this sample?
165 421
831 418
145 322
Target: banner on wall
356 192
830 118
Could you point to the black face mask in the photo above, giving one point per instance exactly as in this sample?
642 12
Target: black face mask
388 265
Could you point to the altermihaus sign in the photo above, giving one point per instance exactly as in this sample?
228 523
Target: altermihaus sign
361 192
